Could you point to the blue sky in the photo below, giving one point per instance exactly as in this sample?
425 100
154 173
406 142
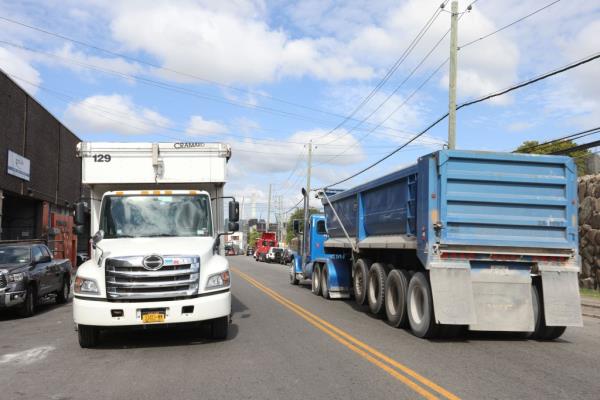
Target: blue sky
267 77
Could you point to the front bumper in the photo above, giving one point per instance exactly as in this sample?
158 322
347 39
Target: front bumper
11 298
97 312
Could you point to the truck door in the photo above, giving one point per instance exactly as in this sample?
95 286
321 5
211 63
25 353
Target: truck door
41 271
318 235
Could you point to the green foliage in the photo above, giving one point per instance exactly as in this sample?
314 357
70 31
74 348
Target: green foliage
252 237
298 214
579 156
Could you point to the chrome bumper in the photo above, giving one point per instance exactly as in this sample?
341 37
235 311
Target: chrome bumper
9 299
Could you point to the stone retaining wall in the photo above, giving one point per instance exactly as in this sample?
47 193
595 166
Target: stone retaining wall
589 230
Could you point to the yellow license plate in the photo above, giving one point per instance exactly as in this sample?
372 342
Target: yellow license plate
153 317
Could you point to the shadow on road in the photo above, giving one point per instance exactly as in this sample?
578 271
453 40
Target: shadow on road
46 305
170 336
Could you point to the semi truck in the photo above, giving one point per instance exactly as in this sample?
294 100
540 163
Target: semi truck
263 244
460 240
157 219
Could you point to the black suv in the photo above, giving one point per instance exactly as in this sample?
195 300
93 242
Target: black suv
28 272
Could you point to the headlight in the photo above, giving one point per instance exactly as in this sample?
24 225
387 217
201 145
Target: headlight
218 280
18 277
86 286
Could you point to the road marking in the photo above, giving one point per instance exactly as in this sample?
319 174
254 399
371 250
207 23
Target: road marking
28 356
359 347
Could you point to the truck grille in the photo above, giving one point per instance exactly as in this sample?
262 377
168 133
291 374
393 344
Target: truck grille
128 279
3 282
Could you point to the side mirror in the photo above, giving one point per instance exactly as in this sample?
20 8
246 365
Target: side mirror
80 213
233 226
234 212
296 224
98 236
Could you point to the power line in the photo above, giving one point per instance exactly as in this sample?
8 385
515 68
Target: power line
502 92
393 69
508 25
182 90
573 136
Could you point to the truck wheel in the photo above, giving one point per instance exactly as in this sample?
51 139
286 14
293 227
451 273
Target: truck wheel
541 330
396 287
376 289
27 309
88 336
316 280
324 283
219 328
419 305
293 279
62 296
360 277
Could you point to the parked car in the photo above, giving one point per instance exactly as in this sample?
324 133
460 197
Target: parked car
287 256
250 251
274 255
28 272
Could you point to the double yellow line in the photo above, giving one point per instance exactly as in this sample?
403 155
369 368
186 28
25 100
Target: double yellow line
418 383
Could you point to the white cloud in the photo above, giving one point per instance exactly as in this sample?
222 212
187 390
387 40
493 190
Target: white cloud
79 61
113 114
199 126
219 43
18 66
520 126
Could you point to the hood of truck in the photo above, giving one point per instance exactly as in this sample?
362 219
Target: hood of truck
163 246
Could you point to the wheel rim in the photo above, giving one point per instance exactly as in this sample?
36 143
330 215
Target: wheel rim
317 279
391 299
324 285
417 304
358 283
372 291
292 272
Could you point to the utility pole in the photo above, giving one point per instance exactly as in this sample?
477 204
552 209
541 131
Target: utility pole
306 203
452 87
269 211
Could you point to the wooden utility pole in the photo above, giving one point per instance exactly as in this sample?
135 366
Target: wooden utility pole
268 224
452 86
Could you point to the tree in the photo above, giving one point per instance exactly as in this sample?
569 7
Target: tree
253 236
579 156
298 214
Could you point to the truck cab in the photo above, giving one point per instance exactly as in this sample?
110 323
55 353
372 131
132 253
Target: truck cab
156 257
336 285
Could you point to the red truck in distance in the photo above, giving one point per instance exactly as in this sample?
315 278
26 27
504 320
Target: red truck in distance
263 244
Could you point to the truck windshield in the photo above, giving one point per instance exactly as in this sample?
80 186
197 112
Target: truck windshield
14 255
155 216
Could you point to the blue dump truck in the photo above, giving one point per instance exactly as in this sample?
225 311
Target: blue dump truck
461 240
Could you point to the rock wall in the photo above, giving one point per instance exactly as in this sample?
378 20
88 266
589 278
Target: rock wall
589 230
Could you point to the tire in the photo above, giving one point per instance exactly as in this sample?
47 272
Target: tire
219 328
293 280
419 304
359 280
324 282
541 330
376 289
27 309
88 336
62 296
316 280
396 288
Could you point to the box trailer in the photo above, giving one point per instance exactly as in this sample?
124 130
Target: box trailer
487 241
156 219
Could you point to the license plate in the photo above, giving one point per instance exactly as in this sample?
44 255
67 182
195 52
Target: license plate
153 317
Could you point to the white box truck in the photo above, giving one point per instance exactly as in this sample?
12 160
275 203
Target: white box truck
156 220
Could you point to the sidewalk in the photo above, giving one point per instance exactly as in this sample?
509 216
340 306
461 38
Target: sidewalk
590 306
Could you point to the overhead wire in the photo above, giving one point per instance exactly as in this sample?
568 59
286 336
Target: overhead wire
472 102
391 70
573 136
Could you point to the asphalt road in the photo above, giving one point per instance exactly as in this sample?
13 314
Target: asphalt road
286 343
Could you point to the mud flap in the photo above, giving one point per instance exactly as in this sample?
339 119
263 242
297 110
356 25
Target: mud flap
562 304
502 299
452 293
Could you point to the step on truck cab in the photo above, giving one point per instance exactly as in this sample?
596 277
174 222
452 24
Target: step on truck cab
462 239
156 218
